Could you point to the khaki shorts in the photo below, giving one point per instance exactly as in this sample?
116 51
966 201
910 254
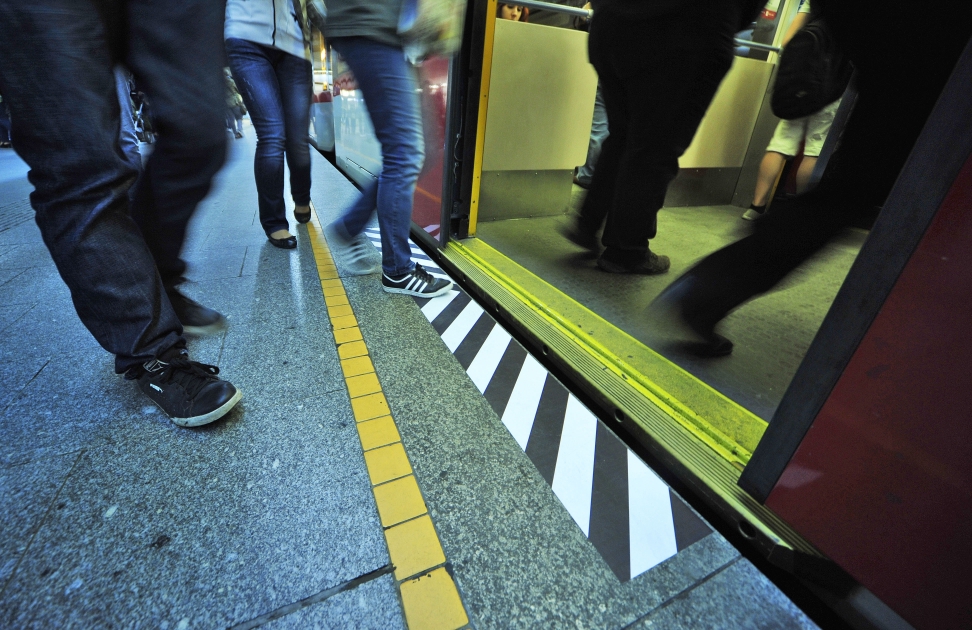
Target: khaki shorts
814 128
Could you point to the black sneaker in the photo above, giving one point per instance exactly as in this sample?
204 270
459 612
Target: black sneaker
418 283
651 264
190 393
196 319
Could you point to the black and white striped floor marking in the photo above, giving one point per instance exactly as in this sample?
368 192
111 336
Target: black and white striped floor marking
627 512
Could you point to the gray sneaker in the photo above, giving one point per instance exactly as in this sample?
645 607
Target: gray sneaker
356 254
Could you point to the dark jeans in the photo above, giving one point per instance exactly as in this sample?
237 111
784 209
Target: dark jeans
277 88
390 91
4 123
56 53
658 76
902 66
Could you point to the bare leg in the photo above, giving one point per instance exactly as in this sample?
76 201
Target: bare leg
804 173
769 171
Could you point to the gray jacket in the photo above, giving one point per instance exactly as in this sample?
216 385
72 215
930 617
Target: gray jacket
373 19
269 22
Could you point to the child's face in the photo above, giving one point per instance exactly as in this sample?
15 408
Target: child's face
510 12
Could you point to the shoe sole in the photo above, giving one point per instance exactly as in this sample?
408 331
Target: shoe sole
441 291
212 416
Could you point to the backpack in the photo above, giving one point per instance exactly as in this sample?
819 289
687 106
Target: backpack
813 72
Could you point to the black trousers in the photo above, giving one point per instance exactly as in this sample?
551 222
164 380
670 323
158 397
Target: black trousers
903 56
658 76
57 76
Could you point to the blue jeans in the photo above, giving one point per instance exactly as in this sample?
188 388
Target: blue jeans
277 88
599 132
390 90
117 258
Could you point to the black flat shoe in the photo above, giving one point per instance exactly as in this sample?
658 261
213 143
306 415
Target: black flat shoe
304 217
284 243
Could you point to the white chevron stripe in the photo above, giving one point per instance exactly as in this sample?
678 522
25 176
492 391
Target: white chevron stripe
461 325
438 304
650 523
424 259
521 410
483 367
573 479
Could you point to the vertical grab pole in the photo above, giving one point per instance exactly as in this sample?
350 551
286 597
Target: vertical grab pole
481 121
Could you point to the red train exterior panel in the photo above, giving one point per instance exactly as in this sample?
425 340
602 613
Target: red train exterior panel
882 483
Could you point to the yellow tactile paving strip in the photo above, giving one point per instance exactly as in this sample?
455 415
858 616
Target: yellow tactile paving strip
429 595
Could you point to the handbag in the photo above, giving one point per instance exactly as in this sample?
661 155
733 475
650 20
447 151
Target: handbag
813 73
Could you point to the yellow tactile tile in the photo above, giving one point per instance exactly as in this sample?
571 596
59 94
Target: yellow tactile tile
363 385
432 602
333 291
356 366
378 432
413 545
347 335
339 311
336 300
348 321
353 349
399 501
328 270
369 407
332 283
387 463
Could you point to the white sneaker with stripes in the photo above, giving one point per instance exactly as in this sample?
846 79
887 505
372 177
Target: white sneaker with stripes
417 283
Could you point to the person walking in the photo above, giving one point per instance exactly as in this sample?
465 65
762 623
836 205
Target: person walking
658 66
268 48
120 259
366 37
810 131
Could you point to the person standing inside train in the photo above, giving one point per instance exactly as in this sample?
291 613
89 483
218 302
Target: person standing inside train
268 48
659 65
121 259
366 36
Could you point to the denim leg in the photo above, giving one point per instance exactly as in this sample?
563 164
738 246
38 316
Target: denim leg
599 132
359 214
296 79
81 177
4 123
390 91
253 67
176 55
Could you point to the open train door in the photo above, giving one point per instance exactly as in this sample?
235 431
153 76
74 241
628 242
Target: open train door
869 456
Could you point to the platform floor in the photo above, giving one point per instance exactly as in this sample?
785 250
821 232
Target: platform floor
771 333
111 516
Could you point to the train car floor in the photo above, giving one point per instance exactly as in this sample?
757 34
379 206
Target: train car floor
368 478
771 334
